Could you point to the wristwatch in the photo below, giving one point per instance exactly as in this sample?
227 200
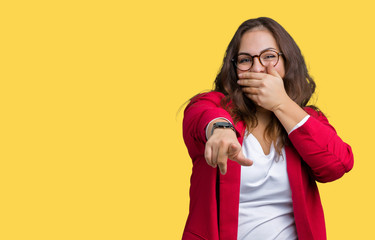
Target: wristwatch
222 125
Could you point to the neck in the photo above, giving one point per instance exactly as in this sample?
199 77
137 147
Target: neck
264 116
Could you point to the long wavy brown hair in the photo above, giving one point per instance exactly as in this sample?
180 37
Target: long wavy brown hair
299 85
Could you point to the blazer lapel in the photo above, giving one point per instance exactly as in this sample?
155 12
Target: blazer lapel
229 195
294 169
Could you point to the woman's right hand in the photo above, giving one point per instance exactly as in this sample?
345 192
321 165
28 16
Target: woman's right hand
220 146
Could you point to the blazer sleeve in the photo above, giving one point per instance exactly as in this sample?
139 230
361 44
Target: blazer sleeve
317 142
199 112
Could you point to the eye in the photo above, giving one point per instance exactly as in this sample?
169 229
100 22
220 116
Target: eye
269 56
244 60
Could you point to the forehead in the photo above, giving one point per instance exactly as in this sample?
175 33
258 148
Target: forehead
255 41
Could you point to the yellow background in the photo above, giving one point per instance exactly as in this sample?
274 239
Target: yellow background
91 139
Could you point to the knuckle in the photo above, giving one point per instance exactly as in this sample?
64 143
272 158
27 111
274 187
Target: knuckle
222 142
222 163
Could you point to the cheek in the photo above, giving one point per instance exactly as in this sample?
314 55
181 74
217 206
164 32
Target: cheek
280 69
240 71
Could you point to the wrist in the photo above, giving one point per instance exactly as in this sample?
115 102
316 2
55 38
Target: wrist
283 106
289 114
210 125
222 125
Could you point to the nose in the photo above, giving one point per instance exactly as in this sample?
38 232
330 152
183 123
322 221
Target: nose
257 66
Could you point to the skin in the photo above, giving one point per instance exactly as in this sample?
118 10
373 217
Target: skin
265 87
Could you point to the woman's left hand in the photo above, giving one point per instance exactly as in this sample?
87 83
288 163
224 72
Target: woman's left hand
265 89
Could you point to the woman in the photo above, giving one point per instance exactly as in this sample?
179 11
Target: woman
257 149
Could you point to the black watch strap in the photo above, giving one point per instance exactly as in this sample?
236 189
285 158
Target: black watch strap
222 125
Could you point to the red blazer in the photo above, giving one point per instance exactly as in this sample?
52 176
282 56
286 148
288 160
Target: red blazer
316 154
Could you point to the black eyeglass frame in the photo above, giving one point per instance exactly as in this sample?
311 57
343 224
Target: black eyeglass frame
256 56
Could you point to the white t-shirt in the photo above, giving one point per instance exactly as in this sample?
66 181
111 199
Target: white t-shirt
265 207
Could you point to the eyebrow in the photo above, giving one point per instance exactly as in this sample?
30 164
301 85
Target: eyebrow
271 48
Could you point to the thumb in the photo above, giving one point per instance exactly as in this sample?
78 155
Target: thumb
235 153
272 71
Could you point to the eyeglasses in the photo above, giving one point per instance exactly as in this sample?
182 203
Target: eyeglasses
244 61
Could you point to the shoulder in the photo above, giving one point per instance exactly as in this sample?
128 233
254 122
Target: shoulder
212 96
